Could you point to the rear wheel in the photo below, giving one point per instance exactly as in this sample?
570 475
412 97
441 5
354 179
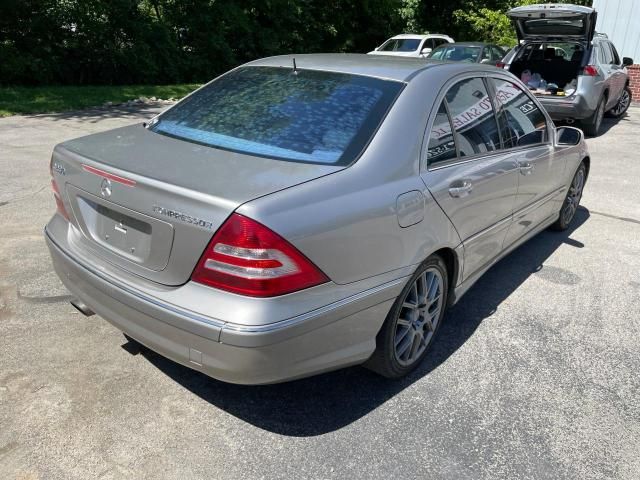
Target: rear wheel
572 200
412 323
591 126
623 104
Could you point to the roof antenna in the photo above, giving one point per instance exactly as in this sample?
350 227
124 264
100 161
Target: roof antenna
295 69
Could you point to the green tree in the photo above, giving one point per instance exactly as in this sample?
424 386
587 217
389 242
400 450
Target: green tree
167 41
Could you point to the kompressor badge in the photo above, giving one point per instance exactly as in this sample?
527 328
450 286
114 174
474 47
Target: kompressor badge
183 217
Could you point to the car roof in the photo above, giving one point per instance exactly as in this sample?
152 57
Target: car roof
400 69
468 44
409 35
420 35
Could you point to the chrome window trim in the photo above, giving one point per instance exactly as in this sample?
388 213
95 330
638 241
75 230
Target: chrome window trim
487 155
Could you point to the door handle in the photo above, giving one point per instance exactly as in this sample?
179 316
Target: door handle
460 191
525 168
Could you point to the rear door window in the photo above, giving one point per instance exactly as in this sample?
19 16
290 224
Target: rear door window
497 53
438 53
521 121
442 146
607 54
305 116
472 117
486 54
401 45
614 52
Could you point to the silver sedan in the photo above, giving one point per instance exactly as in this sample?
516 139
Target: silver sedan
301 214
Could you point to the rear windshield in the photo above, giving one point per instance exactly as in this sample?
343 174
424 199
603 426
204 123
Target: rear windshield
554 26
308 116
401 45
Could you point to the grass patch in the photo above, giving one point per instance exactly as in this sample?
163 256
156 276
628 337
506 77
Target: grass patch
26 100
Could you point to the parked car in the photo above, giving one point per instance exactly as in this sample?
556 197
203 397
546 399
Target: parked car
472 52
297 215
410 45
583 74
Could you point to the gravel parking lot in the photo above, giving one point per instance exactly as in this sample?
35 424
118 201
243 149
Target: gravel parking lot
535 374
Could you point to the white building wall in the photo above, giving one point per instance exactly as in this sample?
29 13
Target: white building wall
620 20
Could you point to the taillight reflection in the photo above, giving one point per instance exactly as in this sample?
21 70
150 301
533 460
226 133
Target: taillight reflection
58 197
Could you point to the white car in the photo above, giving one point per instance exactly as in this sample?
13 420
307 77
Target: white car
410 45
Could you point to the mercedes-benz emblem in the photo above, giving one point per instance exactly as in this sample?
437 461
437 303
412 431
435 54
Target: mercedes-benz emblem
105 187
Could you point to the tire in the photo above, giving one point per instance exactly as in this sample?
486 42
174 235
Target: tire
624 102
413 321
572 200
591 126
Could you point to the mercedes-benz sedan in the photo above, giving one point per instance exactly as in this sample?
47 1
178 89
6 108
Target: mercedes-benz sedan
295 216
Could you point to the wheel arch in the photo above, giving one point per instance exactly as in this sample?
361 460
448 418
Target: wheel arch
587 163
452 262
605 96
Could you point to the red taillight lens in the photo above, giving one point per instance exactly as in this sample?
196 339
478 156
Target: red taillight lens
247 258
59 203
590 71
501 64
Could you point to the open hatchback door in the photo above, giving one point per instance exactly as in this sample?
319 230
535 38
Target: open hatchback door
554 21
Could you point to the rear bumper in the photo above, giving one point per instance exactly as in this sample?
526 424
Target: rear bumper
340 334
561 108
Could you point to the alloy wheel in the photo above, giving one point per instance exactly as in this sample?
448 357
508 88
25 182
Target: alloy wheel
418 317
573 197
623 103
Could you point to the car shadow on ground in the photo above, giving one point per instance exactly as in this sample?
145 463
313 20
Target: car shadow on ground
608 123
324 403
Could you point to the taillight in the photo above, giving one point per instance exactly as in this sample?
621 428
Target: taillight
59 203
501 64
590 71
247 258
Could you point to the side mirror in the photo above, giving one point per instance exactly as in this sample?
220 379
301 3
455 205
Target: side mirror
426 51
627 62
568 136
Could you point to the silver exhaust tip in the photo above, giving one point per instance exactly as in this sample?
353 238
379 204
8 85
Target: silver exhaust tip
82 307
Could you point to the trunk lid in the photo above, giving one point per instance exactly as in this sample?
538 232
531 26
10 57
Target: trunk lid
149 203
554 21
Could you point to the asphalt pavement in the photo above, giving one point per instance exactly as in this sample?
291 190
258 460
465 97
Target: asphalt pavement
535 375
